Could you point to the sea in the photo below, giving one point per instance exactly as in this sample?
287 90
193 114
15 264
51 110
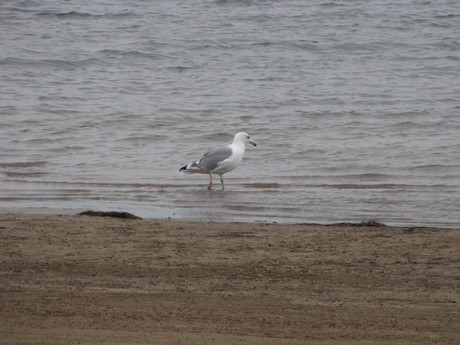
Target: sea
354 105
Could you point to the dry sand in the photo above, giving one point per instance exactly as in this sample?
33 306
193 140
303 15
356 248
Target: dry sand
86 280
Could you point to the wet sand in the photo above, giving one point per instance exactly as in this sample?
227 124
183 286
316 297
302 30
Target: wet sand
85 280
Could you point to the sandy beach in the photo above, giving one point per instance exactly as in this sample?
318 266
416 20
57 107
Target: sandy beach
69 279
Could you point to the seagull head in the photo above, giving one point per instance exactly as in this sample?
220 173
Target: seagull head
245 138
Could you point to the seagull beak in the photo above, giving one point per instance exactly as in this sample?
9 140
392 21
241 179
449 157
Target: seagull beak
253 143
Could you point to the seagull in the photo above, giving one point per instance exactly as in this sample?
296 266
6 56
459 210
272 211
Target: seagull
222 160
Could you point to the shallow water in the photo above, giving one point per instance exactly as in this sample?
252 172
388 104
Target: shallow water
354 106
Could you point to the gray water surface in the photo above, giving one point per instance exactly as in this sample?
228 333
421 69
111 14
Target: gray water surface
354 105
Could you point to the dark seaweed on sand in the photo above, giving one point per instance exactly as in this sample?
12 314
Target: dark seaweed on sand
364 223
123 215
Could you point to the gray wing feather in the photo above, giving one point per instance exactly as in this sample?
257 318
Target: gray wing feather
212 158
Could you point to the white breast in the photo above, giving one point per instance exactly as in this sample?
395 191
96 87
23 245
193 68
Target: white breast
233 161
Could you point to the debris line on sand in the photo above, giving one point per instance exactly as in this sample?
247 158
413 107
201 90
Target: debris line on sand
115 214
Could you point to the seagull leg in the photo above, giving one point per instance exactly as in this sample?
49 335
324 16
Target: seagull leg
210 182
222 181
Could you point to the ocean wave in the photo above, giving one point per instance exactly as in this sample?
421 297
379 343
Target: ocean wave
23 164
236 2
52 63
435 167
84 15
36 62
130 53
15 174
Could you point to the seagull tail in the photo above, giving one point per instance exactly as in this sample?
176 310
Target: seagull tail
191 168
187 169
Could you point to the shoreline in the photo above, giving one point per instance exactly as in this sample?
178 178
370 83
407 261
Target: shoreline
81 279
76 211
